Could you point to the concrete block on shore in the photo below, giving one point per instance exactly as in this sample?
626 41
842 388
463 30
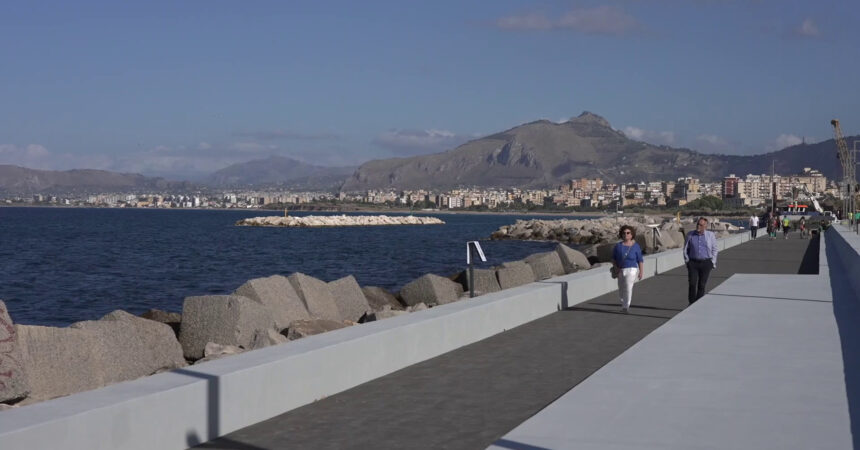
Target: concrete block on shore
132 347
13 379
59 361
214 351
604 251
545 265
349 298
172 319
485 281
378 298
316 296
222 319
431 290
278 294
514 273
304 328
388 313
266 338
679 237
572 260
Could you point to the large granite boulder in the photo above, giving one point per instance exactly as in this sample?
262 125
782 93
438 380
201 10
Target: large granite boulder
266 338
679 237
604 252
514 273
431 290
545 265
59 361
276 293
572 260
172 319
379 298
386 313
666 240
316 295
349 298
132 347
222 319
214 351
13 379
304 328
485 281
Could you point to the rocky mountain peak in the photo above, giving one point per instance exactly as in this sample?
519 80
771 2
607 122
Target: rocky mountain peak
589 118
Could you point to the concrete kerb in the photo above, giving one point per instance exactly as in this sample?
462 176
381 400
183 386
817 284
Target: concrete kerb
184 407
847 247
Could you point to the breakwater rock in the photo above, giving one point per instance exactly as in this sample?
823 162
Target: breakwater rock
39 363
653 234
337 221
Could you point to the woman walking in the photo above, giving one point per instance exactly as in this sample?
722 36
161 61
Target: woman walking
627 261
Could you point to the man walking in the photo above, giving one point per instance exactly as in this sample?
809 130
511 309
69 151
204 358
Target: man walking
753 226
700 255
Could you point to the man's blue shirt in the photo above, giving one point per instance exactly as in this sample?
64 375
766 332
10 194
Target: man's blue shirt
701 246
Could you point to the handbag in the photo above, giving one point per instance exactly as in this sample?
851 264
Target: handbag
614 270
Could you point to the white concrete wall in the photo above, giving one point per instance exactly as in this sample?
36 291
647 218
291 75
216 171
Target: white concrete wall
847 246
183 407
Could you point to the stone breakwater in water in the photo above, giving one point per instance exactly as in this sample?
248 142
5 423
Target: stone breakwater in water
596 237
39 363
337 221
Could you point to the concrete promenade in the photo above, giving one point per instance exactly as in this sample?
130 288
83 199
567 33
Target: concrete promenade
472 397
757 363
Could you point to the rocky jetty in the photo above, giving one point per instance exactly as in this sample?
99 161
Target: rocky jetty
337 221
653 234
38 363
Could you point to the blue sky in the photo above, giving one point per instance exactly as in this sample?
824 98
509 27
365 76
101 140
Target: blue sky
182 88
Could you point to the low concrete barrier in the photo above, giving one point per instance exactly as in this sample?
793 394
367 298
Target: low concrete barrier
847 247
184 407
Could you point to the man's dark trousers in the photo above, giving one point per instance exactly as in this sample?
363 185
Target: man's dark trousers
698 271
753 231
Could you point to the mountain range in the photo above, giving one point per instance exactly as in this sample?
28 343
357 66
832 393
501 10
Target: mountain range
23 180
278 170
540 154
546 154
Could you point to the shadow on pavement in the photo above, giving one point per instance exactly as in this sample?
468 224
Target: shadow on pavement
809 264
846 309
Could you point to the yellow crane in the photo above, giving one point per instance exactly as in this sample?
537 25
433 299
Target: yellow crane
846 157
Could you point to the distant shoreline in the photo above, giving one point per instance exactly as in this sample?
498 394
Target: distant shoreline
263 211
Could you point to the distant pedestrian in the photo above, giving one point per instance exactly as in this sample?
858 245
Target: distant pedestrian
627 260
802 227
770 225
786 227
753 226
700 255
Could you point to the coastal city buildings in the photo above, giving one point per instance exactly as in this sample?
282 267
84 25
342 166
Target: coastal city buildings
736 192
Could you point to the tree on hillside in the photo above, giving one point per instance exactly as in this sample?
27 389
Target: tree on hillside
708 203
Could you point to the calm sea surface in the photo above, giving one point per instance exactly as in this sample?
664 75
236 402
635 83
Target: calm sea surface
62 265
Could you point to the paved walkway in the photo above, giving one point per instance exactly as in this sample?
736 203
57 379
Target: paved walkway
469 398
757 363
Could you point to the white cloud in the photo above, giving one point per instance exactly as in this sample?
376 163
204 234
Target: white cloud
607 20
711 143
651 137
529 21
599 20
419 141
273 135
785 140
807 28
31 155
